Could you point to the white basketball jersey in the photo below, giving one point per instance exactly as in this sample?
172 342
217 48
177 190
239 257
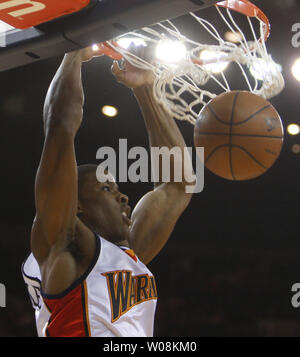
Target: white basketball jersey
116 297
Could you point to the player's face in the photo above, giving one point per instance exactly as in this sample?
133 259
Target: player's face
105 209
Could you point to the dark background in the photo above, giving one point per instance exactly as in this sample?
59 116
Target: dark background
229 266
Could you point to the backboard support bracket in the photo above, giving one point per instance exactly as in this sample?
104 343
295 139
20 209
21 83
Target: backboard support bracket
103 21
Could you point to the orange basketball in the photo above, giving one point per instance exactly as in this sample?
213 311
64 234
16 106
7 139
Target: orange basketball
242 135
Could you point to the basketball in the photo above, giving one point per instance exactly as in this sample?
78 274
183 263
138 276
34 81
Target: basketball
242 135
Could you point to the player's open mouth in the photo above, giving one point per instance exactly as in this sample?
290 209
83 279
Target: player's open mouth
126 214
126 219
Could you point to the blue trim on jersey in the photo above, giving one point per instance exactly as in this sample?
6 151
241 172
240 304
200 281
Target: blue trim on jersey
23 270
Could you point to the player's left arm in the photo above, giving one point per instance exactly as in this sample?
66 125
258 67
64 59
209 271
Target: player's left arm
156 214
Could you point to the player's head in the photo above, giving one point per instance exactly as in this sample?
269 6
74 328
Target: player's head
100 204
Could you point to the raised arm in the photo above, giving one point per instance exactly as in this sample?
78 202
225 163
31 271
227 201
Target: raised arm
56 179
156 214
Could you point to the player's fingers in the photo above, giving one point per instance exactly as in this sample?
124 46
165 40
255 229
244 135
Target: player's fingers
119 66
115 68
117 71
97 53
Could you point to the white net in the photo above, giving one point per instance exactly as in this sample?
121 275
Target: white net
189 73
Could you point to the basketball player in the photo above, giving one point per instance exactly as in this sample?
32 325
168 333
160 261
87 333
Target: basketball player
87 273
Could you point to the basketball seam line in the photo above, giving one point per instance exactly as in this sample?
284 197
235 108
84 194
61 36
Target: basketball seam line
235 146
243 135
242 122
230 135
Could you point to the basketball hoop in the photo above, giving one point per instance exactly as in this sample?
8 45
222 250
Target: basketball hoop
187 85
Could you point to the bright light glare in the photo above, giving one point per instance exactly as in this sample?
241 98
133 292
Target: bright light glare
171 51
261 69
296 69
95 48
293 129
110 111
218 66
234 37
125 42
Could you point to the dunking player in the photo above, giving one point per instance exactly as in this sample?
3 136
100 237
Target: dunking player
86 275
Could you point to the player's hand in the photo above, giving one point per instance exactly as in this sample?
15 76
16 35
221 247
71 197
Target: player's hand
132 77
90 52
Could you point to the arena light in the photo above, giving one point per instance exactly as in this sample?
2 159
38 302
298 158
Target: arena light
234 37
218 65
296 69
110 111
296 149
293 129
171 52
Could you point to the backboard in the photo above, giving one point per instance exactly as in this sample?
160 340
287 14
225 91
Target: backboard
99 21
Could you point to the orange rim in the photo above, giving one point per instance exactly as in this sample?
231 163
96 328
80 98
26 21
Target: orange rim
108 51
246 8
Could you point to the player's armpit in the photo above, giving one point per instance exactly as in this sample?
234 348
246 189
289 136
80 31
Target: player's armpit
154 219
